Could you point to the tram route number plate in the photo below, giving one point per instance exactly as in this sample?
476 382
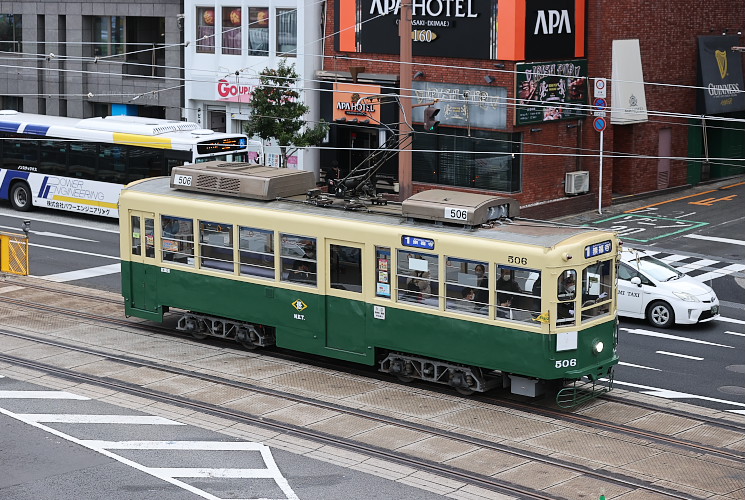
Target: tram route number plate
182 180
456 213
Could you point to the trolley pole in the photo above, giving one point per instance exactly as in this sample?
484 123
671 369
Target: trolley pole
405 188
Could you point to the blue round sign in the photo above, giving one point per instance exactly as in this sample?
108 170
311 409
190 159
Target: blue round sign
599 124
600 103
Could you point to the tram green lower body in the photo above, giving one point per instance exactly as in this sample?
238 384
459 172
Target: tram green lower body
357 331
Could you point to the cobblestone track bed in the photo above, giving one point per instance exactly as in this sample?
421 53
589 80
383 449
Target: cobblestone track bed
503 443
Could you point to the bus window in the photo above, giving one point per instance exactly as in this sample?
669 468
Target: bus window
256 252
596 290
53 157
19 152
566 295
516 293
298 259
112 164
417 277
216 246
82 158
177 239
383 272
466 286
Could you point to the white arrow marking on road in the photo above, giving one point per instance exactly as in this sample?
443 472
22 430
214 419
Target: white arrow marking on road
650 333
639 366
679 355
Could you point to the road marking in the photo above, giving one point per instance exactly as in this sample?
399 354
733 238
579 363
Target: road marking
673 258
74 251
735 333
731 269
90 272
207 472
175 445
63 418
639 366
707 202
686 268
71 224
668 394
650 333
40 395
714 238
696 358
731 320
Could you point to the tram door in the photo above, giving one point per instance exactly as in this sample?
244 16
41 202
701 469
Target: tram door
345 307
142 273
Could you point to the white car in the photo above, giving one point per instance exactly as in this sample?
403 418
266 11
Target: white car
649 288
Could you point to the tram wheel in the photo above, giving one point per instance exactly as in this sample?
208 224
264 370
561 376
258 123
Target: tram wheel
404 379
198 335
20 197
465 391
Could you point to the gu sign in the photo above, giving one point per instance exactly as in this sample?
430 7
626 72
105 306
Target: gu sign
550 27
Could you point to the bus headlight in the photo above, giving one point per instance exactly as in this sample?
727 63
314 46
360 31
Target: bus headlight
598 346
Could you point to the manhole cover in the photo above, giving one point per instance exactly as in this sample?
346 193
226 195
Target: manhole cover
732 389
736 368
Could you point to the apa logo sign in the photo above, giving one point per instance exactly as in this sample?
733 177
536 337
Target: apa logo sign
550 29
549 22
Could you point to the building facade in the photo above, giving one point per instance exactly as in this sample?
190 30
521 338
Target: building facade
92 58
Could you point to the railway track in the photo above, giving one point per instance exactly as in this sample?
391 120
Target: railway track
616 433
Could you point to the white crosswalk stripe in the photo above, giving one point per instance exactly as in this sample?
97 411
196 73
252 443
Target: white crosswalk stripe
702 269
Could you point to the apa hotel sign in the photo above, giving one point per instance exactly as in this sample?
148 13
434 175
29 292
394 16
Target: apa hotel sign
720 75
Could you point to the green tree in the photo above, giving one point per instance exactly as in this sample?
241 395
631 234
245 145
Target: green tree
278 111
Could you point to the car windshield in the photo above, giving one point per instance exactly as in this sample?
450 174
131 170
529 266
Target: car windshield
656 269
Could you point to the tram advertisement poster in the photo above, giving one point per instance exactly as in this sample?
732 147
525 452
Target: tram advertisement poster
554 90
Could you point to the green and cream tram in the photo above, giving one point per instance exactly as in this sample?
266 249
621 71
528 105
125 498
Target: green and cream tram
447 287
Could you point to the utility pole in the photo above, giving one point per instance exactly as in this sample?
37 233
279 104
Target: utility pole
405 188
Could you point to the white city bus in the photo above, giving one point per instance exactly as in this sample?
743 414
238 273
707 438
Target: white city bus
81 165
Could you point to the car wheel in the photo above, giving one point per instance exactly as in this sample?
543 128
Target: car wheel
660 314
20 197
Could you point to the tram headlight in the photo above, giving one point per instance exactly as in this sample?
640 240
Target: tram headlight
598 346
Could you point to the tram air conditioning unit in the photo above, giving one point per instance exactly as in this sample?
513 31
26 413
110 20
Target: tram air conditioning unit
577 182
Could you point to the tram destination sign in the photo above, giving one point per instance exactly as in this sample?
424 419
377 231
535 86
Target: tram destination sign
416 242
598 249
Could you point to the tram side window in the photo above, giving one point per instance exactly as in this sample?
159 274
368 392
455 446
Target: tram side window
177 239
597 289
53 157
298 259
466 286
149 237
417 277
256 252
518 293
345 268
383 272
216 246
566 294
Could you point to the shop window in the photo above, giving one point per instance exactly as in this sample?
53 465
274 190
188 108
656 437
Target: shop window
258 31
206 30
231 30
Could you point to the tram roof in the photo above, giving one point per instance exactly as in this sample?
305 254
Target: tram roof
523 231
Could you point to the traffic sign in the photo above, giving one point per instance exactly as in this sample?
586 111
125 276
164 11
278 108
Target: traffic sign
600 103
599 124
600 84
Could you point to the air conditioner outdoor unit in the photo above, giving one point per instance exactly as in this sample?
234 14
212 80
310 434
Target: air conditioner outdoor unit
577 182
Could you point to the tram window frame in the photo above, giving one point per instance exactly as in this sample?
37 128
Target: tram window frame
256 260
383 272
180 242
136 233
513 301
597 277
418 282
210 246
298 259
566 302
466 290
345 268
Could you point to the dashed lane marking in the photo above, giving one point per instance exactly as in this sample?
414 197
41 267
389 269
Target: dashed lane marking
91 272
97 419
40 395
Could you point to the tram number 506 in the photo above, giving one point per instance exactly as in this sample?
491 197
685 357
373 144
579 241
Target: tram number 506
456 213
565 363
182 180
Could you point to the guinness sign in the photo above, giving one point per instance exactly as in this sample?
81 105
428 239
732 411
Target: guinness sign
720 75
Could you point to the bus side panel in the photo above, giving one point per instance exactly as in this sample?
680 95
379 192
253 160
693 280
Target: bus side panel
494 347
139 288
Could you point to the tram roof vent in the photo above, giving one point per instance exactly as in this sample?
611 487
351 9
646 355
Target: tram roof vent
456 207
244 180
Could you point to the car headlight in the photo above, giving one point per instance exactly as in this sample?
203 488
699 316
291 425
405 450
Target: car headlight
686 296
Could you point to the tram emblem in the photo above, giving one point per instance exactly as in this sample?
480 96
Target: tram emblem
299 305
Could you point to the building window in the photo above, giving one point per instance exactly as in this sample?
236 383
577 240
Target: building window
11 102
10 33
258 31
206 29
108 35
231 30
287 32
481 160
